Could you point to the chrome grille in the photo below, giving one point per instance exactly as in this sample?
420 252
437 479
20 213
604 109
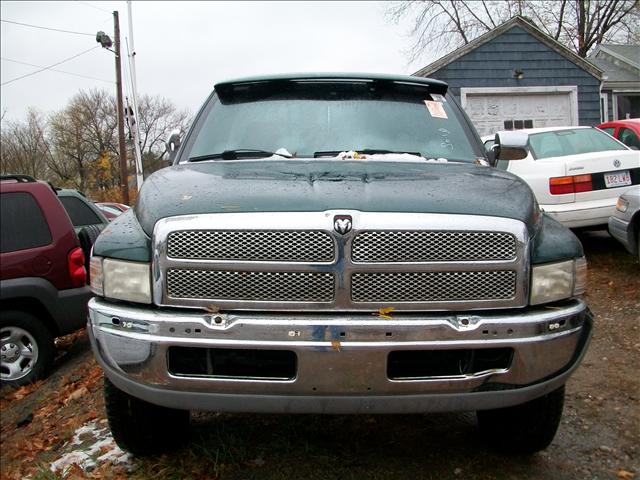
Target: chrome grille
296 261
433 286
251 245
432 246
253 286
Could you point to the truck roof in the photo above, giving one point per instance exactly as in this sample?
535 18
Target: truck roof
320 76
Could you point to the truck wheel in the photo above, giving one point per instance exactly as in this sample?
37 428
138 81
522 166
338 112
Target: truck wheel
143 428
526 428
26 348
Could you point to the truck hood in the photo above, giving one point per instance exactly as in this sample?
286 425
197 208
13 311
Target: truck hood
318 185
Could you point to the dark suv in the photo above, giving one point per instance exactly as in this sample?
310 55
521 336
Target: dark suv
43 290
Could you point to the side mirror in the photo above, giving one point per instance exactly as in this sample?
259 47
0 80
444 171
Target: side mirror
173 143
490 151
511 145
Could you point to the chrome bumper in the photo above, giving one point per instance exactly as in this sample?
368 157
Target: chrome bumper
341 358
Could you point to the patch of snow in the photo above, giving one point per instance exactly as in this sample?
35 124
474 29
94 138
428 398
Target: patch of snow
91 441
80 458
89 428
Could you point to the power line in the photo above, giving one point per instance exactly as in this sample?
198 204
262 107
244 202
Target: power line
93 6
49 67
56 70
47 28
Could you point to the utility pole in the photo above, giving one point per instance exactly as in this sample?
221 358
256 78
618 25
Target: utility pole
134 94
124 176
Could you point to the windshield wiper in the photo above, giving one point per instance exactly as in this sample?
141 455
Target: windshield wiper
365 151
237 154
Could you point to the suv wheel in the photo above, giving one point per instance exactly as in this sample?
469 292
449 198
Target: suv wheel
526 428
143 428
87 237
26 348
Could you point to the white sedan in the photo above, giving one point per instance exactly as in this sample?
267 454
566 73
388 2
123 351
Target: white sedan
576 173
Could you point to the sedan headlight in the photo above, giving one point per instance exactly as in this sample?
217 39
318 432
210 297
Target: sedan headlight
556 281
121 280
622 205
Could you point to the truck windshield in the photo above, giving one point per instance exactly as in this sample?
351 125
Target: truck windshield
308 119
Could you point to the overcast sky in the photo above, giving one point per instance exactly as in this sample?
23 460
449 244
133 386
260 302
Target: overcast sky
183 48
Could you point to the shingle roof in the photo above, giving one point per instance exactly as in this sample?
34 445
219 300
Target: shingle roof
629 52
613 72
499 30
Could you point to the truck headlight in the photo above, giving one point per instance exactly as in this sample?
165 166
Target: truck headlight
556 281
121 280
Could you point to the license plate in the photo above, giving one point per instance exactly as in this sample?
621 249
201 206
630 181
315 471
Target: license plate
617 179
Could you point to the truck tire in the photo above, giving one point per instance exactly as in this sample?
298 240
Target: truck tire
526 428
26 348
87 237
143 428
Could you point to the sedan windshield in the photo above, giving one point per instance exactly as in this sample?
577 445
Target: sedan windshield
560 143
319 119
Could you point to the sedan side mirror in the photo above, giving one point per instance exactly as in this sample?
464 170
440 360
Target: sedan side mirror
173 143
511 145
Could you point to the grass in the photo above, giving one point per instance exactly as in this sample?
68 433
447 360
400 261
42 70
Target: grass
44 473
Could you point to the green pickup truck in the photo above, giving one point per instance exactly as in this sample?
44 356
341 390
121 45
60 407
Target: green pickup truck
331 244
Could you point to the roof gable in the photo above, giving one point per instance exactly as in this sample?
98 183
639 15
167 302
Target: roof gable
629 54
499 30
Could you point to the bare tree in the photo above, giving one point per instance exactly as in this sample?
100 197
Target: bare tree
82 133
443 25
24 148
77 146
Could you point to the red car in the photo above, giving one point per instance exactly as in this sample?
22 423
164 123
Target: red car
112 209
627 131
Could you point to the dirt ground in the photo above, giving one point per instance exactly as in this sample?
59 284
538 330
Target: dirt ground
60 423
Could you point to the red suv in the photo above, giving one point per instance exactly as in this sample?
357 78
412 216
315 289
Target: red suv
43 281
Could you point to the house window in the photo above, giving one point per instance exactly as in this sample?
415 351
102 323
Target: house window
627 106
517 124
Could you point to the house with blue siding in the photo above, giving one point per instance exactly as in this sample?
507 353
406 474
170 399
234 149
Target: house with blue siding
516 76
620 93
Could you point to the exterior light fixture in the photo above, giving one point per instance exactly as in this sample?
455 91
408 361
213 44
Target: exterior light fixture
518 74
104 40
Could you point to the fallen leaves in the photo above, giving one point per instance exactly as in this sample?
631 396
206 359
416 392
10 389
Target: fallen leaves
40 423
625 474
19 394
385 313
212 308
76 395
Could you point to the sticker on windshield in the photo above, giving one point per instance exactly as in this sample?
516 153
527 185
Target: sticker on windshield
435 109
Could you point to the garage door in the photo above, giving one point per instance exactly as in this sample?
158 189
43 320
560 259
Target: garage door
491 111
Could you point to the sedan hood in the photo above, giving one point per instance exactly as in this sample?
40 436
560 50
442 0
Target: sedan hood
318 185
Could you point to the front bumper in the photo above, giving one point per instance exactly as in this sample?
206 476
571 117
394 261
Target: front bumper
341 358
621 231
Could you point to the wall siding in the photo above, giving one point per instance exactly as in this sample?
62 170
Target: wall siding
492 65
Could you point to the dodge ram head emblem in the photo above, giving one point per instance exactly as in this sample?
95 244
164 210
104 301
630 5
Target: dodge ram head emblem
342 223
